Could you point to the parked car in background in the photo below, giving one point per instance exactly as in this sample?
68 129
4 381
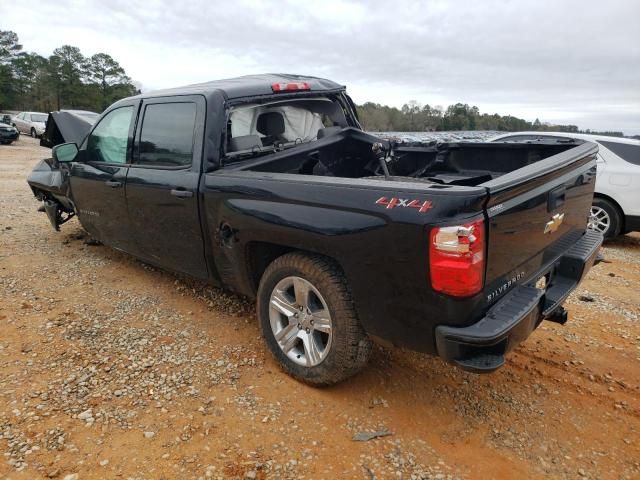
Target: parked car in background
5 118
616 202
8 133
32 123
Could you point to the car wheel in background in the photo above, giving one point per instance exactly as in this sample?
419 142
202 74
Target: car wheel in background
605 218
308 320
33 133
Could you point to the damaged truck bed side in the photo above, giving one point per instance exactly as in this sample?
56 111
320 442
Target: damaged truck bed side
267 185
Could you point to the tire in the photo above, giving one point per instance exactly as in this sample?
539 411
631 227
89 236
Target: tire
320 353
33 133
605 218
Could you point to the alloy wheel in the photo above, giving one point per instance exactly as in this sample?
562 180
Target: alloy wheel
599 219
300 321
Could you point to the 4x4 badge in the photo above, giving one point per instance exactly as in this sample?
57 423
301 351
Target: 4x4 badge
422 206
554 223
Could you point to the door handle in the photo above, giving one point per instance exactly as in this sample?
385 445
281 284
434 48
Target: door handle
113 183
181 193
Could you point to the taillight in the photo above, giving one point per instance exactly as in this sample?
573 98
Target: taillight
456 259
290 87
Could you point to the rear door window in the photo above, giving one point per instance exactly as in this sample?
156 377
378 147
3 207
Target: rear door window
629 153
166 135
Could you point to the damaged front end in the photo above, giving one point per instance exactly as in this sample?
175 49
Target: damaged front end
56 213
50 185
49 180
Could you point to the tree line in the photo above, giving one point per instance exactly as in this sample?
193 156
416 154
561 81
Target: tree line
414 117
64 80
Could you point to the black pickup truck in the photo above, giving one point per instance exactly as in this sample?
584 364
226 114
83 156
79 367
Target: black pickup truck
267 185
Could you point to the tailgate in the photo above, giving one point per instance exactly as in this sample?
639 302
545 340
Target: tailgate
535 214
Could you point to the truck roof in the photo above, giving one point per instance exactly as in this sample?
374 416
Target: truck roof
246 86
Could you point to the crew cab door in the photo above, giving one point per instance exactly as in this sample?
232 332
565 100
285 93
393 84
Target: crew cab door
162 183
98 177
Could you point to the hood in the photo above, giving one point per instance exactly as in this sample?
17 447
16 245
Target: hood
5 125
67 126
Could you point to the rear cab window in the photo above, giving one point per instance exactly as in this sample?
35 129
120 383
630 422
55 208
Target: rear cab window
166 135
255 128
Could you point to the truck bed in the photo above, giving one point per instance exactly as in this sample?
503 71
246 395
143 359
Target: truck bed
348 154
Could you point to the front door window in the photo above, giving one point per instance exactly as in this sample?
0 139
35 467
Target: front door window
108 142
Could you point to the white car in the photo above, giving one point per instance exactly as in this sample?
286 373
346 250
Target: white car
616 203
32 123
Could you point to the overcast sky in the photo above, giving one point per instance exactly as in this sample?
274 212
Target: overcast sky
560 61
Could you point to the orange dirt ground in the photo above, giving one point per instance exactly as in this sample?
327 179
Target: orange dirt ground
114 369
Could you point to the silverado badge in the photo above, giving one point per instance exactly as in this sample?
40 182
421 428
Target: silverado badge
554 223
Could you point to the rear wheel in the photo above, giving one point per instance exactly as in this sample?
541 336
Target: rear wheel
33 133
605 218
308 320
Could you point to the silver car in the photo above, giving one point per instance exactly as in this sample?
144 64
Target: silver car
32 123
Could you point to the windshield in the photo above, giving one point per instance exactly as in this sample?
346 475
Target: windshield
38 117
253 128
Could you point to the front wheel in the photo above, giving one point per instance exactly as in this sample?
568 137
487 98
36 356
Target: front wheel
308 320
605 218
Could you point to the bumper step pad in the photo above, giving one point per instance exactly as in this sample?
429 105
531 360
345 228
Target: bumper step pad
482 363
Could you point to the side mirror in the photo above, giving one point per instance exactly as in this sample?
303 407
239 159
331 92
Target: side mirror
65 152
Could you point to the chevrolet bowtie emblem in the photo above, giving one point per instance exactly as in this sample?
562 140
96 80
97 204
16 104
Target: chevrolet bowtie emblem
554 223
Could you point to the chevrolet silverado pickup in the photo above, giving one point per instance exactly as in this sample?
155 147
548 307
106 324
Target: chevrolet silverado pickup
267 185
